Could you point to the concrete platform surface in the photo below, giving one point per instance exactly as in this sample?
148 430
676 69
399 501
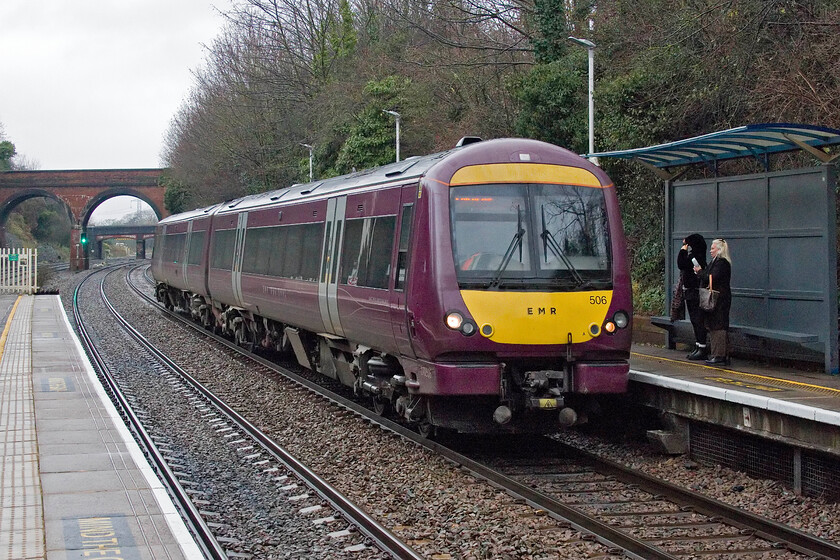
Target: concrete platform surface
74 482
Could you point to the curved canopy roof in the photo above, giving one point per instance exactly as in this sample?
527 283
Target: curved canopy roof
754 140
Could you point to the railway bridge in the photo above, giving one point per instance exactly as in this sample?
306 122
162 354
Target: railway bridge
80 192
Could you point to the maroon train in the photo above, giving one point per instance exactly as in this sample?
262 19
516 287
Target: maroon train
481 289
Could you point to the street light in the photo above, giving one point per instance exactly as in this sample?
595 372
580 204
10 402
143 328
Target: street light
590 47
396 116
310 159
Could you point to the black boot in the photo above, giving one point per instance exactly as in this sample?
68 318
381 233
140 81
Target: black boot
700 353
718 361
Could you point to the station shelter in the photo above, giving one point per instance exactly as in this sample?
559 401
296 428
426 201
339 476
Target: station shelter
780 225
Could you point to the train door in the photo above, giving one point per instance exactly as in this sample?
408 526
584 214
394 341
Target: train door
238 250
401 319
186 254
330 255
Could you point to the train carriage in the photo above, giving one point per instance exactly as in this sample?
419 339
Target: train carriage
485 288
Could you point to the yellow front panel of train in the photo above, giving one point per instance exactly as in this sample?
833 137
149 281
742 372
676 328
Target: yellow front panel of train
538 317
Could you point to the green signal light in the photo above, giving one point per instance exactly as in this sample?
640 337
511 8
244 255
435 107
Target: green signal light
84 240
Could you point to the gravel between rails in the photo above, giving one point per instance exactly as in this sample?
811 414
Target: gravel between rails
439 510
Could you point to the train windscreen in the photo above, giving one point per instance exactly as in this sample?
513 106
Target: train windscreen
530 237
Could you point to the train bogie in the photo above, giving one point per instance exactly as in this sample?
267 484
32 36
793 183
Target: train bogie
481 289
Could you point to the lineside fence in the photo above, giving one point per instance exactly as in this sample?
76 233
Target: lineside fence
18 271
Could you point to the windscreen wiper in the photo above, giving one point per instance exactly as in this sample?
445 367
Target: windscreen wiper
550 243
514 243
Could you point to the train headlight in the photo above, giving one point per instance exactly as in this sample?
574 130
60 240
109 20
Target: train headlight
454 320
609 326
621 319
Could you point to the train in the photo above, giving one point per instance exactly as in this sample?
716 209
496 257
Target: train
484 289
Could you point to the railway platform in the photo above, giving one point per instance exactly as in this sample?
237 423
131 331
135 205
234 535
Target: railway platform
74 482
764 419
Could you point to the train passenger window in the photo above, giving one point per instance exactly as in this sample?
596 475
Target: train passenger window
382 243
284 251
327 253
312 239
294 252
402 256
196 247
366 255
278 254
174 247
223 241
257 251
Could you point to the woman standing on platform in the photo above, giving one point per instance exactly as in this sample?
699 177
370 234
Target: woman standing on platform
693 249
717 276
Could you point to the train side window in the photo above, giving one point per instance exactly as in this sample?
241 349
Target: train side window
381 249
174 247
312 239
196 247
326 257
257 250
366 255
223 241
351 253
277 242
294 248
402 256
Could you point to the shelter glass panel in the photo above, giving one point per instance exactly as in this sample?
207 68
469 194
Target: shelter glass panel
742 205
796 316
797 202
796 264
748 310
695 207
749 262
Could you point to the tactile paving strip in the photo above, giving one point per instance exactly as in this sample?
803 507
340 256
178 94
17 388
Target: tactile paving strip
22 514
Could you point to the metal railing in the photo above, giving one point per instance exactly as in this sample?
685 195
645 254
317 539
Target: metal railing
18 271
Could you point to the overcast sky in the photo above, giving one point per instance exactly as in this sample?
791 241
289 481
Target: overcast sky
93 84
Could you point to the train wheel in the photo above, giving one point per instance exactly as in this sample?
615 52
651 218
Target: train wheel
426 429
243 337
381 406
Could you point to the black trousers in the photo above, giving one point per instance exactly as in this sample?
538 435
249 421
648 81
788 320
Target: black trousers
692 302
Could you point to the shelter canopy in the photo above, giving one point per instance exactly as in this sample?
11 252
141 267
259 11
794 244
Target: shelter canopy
754 140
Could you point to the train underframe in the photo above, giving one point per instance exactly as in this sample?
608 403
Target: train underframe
533 397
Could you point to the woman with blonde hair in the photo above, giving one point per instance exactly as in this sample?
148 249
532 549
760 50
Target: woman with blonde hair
717 275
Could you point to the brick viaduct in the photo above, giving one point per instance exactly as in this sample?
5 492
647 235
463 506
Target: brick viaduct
80 192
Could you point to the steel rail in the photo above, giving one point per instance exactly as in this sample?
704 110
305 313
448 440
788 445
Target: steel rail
205 538
768 529
603 533
796 540
366 523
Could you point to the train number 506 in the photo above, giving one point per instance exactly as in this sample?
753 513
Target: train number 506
598 300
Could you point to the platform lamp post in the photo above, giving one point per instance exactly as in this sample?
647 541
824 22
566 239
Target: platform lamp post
397 117
590 48
310 159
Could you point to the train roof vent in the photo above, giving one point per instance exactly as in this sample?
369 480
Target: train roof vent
403 169
467 140
311 189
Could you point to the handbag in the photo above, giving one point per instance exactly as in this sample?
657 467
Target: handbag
677 303
708 297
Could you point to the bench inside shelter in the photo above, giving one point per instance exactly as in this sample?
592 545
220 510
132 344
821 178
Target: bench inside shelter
780 227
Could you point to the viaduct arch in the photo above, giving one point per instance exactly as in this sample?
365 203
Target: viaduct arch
80 192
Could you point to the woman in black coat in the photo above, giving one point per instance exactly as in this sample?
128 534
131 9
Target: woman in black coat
719 273
694 247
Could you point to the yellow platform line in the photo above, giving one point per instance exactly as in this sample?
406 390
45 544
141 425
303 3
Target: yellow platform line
8 326
765 378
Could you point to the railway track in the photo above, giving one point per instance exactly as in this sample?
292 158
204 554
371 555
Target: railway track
270 461
629 512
